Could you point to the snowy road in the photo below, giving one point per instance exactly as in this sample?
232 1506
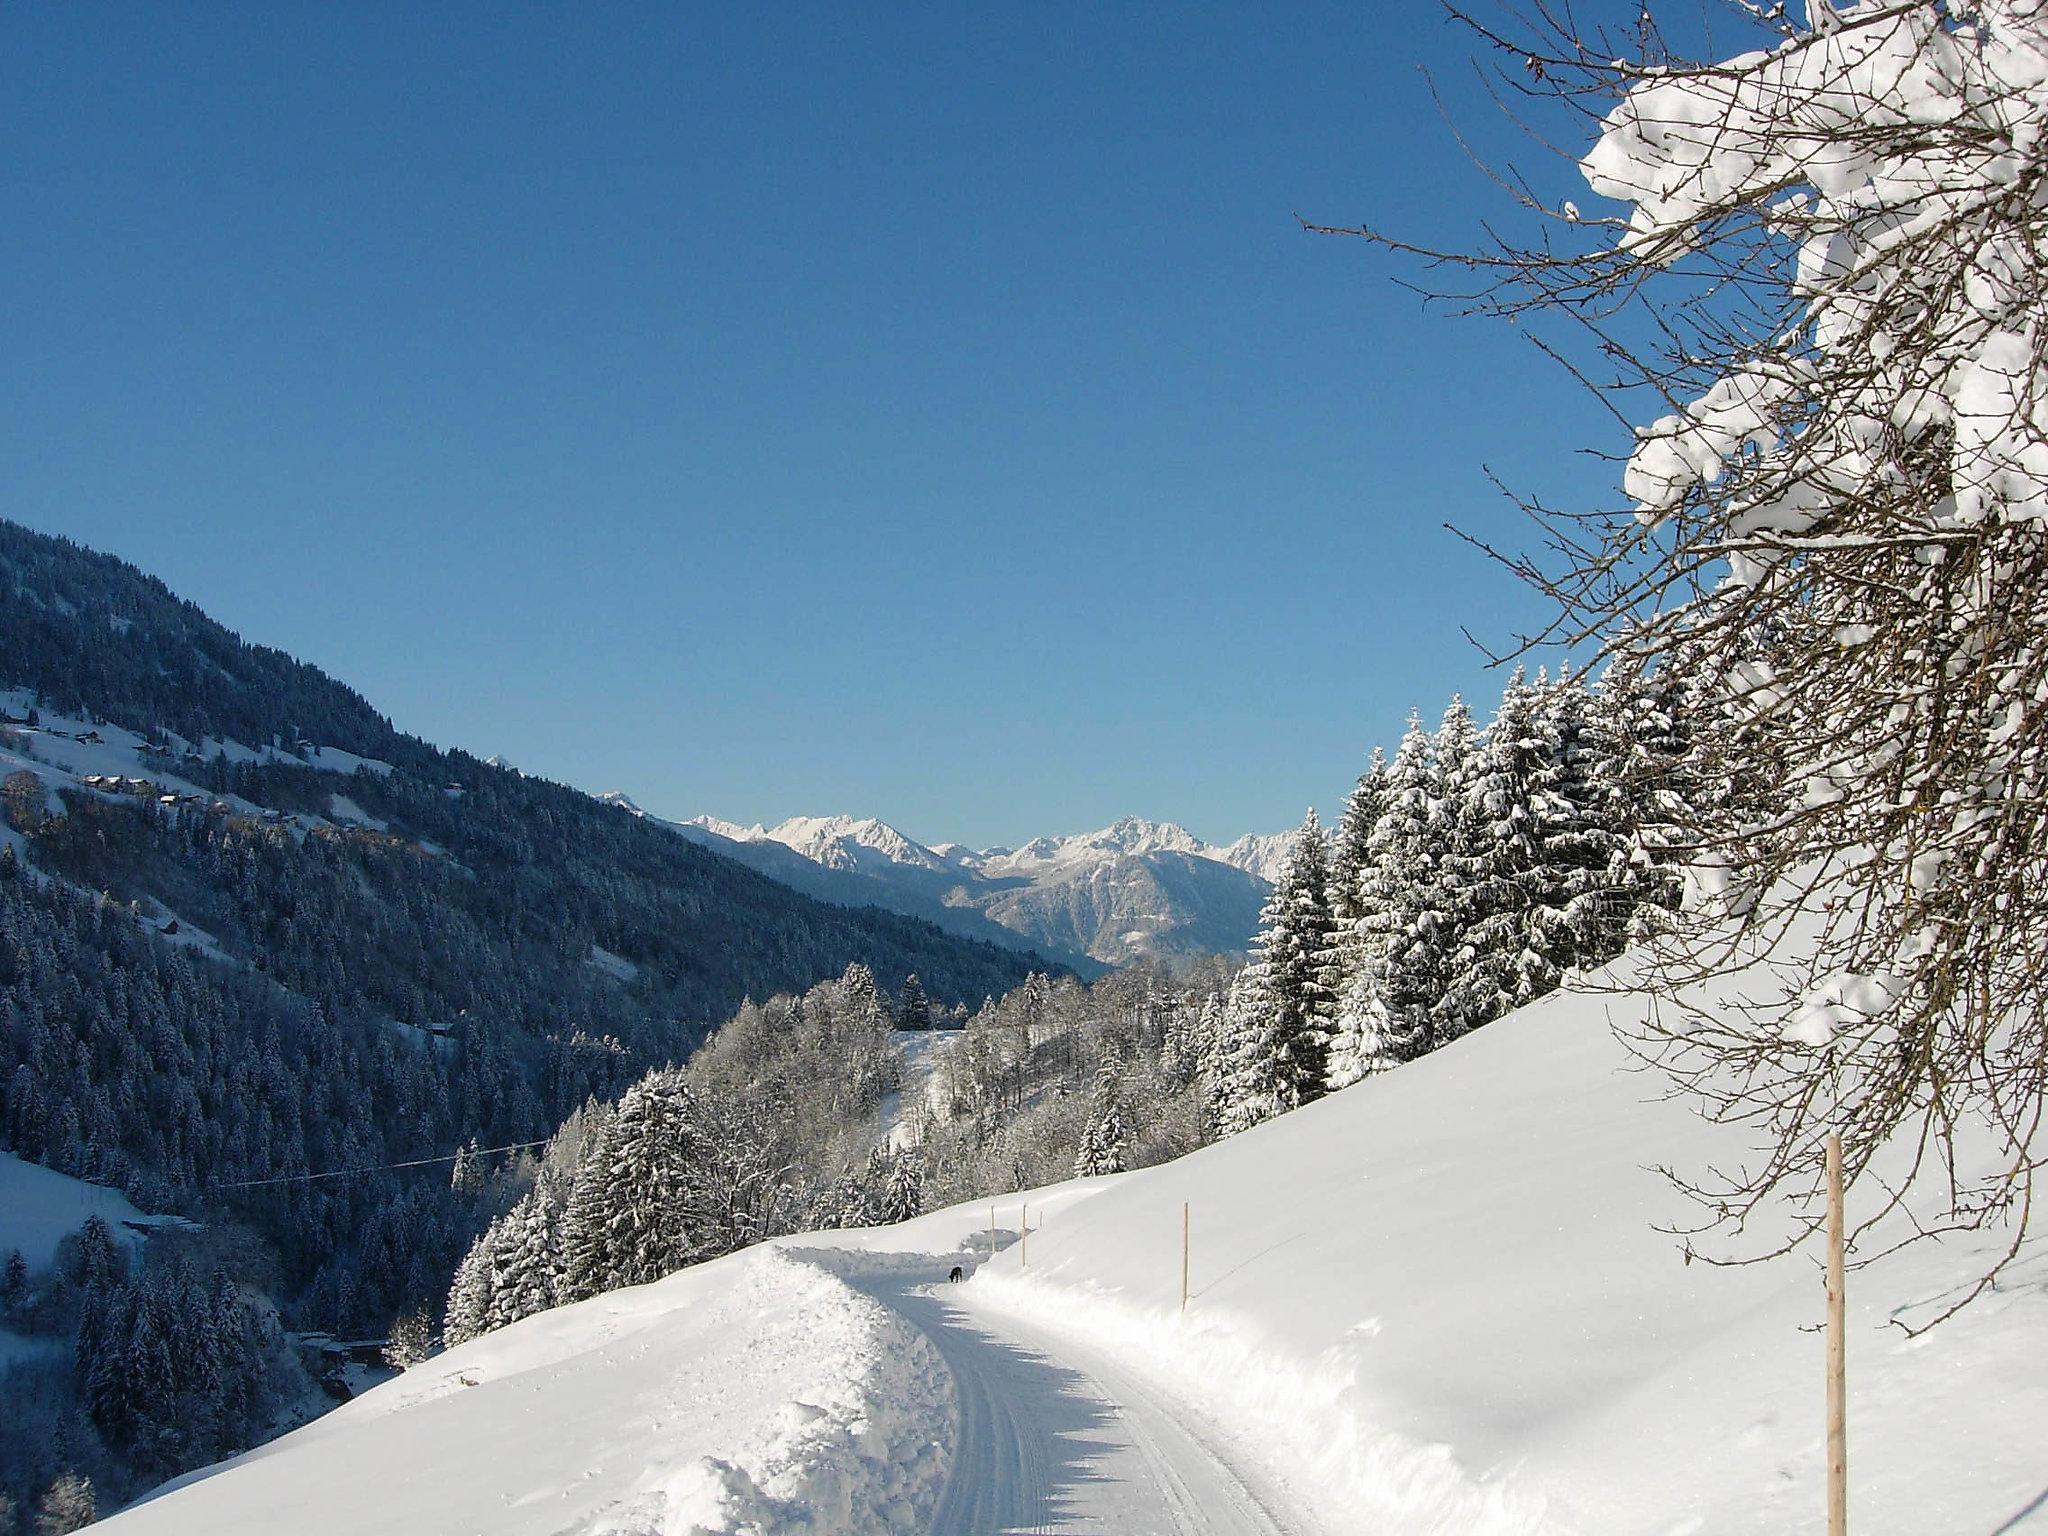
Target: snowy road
1054 1437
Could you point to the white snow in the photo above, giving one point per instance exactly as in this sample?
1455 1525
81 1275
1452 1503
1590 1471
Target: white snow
1434 1303
1439 1302
846 842
346 811
39 1207
755 1393
920 1050
618 967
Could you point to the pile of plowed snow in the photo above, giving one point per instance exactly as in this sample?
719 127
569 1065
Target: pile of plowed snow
758 1393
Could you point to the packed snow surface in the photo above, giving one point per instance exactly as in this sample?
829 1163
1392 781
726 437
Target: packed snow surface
1434 1303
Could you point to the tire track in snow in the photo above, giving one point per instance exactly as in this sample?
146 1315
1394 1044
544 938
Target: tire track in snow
1053 1438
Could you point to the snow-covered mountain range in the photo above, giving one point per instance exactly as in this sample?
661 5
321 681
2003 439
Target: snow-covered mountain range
1132 889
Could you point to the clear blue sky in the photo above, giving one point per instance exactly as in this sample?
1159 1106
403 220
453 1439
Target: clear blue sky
924 411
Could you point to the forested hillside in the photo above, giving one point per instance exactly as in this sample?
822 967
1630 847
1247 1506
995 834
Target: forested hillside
1472 873
251 937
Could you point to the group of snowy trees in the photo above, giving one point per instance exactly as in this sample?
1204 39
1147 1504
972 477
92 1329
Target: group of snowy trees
1469 875
780 1123
170 1365
1816 278
768 1129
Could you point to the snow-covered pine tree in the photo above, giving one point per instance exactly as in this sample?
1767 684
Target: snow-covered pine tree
527 1274
1494 868
1579 913
913 1009
470 1292
586 1223
1241 1091
1398 973
652 1221
861 998
1285 1002
1652 729
902 1195
1301 957
1351 848
1107 1130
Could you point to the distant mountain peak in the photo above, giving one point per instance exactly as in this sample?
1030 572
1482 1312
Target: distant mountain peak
729 829
1131 888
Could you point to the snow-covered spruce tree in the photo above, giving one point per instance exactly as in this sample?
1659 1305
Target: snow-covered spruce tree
1104 1138
1241 1092
634 1212
1494 866
1385 997
1282 1012
1653 733
1827 271
913 1008
1581 917
1351 847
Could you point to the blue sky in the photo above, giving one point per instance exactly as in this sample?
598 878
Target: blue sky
929 412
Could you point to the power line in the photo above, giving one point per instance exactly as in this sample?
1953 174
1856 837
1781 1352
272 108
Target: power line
343 1173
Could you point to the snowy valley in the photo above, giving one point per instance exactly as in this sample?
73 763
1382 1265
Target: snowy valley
1622 1116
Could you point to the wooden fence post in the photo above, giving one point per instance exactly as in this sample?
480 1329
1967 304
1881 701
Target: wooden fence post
1024 1237
1838 1429
1183 1257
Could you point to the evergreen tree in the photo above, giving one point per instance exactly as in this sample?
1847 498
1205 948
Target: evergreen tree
67 1505
1280 1057
1581 913
1351 849
1241 1091
914 1009
1397 973
1495 869
14 1282
1104 1136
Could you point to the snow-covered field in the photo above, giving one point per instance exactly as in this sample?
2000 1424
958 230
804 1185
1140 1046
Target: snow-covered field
39 1207
1434 1303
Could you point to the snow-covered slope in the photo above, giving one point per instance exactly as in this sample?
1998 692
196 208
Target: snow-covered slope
39 1207
1433 1303
1441 1301
1131 889
1260 854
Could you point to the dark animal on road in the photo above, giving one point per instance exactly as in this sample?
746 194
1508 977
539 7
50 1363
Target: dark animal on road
956 1273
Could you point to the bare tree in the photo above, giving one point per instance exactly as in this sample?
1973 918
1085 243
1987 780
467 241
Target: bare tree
1824 289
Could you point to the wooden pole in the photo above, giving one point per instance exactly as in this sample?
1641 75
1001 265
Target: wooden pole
1183 1256
1024 1238
1838 1430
